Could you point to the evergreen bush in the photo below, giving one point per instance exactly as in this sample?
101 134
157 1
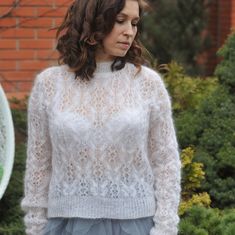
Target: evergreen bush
203 221
192 175
186 92
174 31
210 128
226 69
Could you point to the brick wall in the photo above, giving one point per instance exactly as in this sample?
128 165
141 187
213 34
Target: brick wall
26 45
233 15
221 23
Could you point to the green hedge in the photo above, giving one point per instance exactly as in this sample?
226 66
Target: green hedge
203 221
210 128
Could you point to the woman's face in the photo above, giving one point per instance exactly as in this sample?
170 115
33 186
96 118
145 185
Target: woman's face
119 40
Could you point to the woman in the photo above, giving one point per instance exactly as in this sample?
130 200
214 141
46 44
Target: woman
102 155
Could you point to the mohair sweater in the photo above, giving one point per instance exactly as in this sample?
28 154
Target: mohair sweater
104 148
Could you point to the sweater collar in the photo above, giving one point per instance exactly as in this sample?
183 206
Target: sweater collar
103 67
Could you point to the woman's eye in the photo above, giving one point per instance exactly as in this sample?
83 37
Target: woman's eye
135 24
120 21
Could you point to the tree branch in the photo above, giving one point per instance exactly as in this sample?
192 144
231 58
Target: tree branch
9 12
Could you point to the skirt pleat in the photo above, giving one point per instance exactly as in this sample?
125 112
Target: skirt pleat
101 226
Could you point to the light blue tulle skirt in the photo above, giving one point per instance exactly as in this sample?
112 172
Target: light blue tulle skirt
81 226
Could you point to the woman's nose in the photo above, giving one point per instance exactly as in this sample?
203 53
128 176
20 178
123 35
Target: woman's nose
129 30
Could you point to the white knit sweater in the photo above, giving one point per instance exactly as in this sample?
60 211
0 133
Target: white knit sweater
101 149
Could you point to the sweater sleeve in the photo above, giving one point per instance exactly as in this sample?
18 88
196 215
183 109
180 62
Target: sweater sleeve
166 165
38 163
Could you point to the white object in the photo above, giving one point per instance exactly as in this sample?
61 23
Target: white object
7 141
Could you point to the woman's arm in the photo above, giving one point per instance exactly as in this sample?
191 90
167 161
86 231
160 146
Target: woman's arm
38 163
164 156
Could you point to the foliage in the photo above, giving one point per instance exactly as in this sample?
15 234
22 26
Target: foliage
186 92
202 221
192 172
226 69
192 175
202 199
19 113
174 31
211 130
209 126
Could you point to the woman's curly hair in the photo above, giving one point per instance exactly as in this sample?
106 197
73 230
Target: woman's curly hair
86 24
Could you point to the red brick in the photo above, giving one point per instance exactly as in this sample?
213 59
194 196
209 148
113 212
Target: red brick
7 44
36 44
51 12
17 55
25 86
7 2
36 3
7 65
47 55
62 2
58 21
17 33
8 86
36 23
45 33
32 65
7 22
18 75
28 31
24 12
4 10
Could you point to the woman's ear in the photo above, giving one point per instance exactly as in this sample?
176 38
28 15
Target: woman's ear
91 41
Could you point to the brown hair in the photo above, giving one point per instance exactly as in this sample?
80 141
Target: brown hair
85 25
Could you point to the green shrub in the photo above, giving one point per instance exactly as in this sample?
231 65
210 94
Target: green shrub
226 69
211 130
173 31
200 220
187 92
19 113
192 175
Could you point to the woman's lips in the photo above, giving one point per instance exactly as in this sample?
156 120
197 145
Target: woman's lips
124 45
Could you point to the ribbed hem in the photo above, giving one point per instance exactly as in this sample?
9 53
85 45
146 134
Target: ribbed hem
97 207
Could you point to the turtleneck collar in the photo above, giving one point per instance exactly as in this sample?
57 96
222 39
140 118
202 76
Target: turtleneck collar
103 67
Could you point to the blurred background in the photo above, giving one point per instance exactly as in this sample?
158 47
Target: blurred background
192 44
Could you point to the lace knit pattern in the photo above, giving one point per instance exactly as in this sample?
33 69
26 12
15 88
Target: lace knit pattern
101 149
